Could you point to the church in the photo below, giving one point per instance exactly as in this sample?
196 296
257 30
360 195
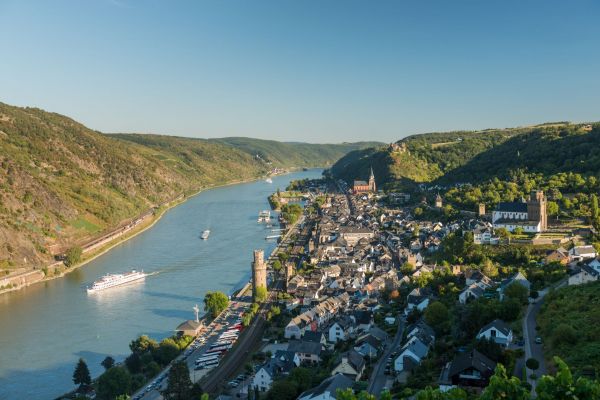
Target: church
365 187
528 215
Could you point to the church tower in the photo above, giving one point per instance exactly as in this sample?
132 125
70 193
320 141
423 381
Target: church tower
536 209
372 186
438 201
259 271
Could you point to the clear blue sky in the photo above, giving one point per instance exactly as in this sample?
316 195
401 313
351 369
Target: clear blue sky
319 71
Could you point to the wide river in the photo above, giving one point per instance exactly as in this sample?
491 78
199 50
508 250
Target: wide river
46 328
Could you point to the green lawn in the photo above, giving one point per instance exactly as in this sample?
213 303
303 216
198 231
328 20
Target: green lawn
84 224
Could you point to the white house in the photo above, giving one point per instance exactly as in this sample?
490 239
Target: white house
583 274
340 329
351 364
473 291
484 235
498 331
418 298
579 253
280 364
411 354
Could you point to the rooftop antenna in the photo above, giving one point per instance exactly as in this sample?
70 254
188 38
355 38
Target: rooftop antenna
196 311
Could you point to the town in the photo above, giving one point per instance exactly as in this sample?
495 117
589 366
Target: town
368 293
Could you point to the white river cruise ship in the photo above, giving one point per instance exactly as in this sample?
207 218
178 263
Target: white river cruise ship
112 280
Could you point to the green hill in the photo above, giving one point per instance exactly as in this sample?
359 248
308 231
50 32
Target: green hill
419 158
474 157
61 183
545 150
294 154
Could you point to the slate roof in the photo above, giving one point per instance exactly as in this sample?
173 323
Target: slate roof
310 336
473 359
355 359
300 346
331 385
514 206
500 326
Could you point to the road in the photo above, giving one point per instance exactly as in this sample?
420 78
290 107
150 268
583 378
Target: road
532 349
378 379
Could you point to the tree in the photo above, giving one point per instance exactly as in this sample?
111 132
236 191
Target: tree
562 386
73 256
502 233
564 334
81 375
215 303
142 344
436 394
437 316
518 230
284 389
503 387
134 363
517 291
247 319
108 362
277 266
114 382
407 268
261 294
532 364
180 384
552 208
594 209
166 351
489 269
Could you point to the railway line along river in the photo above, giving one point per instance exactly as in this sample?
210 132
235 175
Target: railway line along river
46 328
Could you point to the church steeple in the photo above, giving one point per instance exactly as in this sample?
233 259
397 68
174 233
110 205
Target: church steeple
372 186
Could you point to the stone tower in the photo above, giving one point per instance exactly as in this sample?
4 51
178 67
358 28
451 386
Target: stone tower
481 209
438 201
372 186
259 271
536 208
290 271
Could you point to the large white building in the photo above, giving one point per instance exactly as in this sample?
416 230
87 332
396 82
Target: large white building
528 215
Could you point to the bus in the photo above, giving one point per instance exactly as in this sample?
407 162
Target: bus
208 364
205 358
219 349
230 336
221 343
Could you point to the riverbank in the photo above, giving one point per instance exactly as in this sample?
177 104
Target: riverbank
57 270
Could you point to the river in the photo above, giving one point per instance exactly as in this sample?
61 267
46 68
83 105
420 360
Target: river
46 328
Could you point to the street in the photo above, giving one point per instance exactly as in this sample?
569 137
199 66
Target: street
379 380
532 349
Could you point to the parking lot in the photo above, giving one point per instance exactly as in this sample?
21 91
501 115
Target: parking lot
204 345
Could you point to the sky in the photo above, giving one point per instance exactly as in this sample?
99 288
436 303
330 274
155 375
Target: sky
303 70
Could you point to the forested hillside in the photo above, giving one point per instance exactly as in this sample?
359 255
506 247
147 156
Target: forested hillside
61 182
419 158
294 153
569 322
545 150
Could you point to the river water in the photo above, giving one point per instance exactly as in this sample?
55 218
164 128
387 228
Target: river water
46 328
